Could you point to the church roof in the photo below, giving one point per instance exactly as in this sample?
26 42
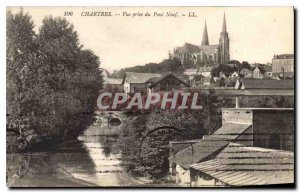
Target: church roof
205 40
189 48
209 49
224 29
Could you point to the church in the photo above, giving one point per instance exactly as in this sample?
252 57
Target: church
193 56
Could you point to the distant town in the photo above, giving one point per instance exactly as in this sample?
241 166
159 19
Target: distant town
198 118
254 144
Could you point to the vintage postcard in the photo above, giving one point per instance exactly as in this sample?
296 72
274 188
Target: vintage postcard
191 97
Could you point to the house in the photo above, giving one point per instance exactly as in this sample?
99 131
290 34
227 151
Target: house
268 72
260 127
205 71
193 74
136 82
168 82
113 84
258 73
246 73
105 74
240 165
203 150
234 75
264 84
224 81
271 128
283 65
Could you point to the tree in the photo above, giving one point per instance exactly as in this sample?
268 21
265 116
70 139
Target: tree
163 67
53 83
245 64
20 51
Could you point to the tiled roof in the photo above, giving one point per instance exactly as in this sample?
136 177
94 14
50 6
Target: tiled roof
267 68
231 130
209 49
284 56
135 77
166 76
239 165
113 81
198 152
189 48
267 84
154 79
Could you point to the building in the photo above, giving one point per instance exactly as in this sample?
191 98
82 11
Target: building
234 75
270 128
192 153
259 127
283 65
169 82
258 73
105 74
265 86
224 81
198 76
267 72
246 73
240 165
192 56
113 84
136 82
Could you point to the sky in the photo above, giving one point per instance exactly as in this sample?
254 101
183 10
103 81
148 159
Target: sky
255 33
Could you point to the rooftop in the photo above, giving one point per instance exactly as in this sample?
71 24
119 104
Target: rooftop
239 165
284 56
135 77
113 81
264 109
230 131
267 84
158 80
201 151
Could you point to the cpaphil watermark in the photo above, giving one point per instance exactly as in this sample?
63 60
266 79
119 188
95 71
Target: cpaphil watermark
174 100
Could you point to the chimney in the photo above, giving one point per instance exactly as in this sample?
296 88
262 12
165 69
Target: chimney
283 74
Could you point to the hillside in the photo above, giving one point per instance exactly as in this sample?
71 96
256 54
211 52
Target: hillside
163 67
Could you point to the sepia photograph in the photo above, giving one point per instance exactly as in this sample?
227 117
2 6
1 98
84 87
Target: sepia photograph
150 97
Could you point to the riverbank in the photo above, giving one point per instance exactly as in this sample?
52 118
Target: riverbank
60 179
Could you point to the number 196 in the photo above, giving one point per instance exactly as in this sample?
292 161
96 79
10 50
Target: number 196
68 13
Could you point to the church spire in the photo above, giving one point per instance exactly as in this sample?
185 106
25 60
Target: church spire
205 36
224 24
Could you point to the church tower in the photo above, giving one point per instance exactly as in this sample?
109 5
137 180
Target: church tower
205 36
224 44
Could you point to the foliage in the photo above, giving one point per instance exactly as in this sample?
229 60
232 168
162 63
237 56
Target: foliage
144 142
53 82
163 67
268 101
226 69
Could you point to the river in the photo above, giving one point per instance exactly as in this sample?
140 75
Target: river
90 160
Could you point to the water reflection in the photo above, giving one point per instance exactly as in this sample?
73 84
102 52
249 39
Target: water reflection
89 160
